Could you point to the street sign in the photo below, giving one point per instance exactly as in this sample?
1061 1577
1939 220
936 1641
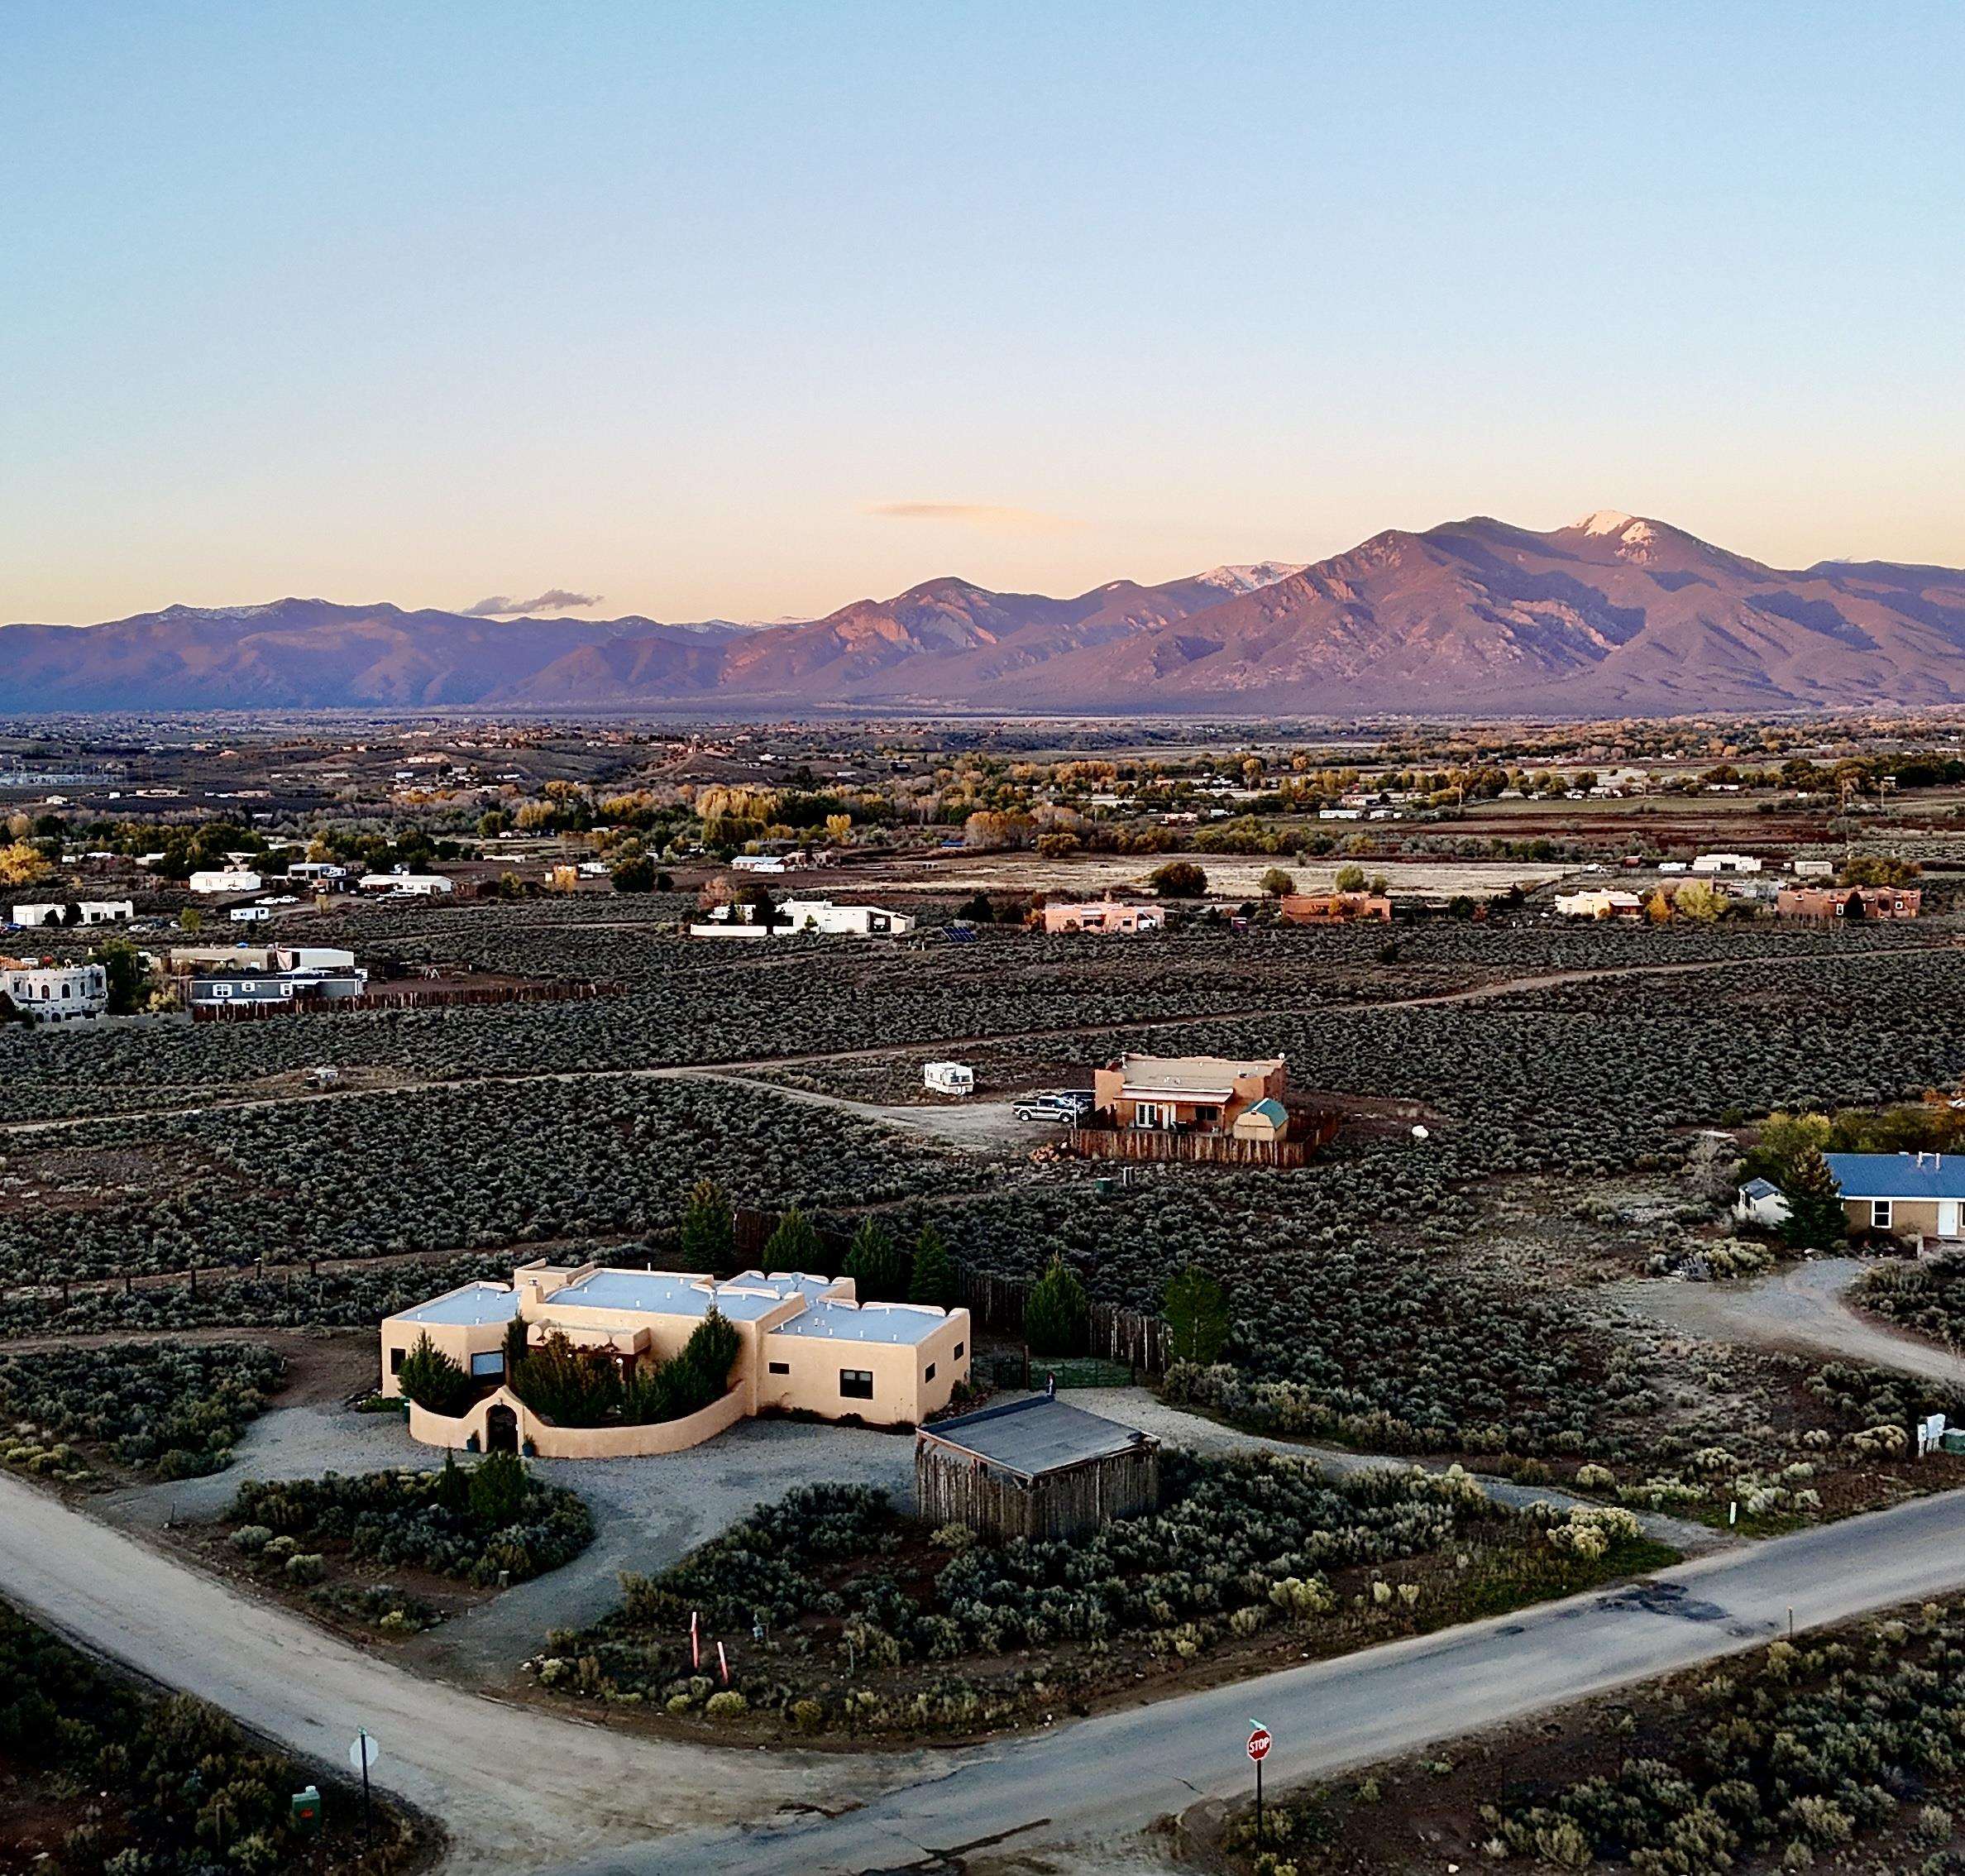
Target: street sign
363 1752
1259 1744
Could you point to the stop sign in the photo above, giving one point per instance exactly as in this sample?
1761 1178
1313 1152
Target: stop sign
1259 1744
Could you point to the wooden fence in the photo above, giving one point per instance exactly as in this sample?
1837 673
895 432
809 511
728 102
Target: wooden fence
1308 1133
953 1485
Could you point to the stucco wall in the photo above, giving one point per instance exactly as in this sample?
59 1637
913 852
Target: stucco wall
902 1392
550 1441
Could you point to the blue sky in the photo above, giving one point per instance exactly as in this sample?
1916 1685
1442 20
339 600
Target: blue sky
754 309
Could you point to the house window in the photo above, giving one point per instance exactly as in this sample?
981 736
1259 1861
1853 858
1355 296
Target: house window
1150 1114
856 1384
396 1360
1880 1214
781 1367
491 1364
958 1352
930 1375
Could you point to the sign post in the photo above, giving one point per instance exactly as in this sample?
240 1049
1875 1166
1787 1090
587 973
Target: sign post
1258 1747
361 1754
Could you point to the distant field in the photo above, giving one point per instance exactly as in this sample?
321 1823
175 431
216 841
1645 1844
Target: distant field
1232 875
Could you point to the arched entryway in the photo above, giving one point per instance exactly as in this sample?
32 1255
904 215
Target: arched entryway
501 1429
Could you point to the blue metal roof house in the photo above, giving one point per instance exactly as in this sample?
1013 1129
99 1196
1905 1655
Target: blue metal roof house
1908 1195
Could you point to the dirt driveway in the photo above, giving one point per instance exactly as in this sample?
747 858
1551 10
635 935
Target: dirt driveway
1798 1307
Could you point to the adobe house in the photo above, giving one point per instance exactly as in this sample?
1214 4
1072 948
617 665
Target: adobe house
1189 1093
1908 1194
1034 1468
1827 903
1334 908
1102 914
804 1344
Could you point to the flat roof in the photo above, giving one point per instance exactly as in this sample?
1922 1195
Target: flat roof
898 1323
1173 1074
1042 1434
1898 1176
471 1303
659 1293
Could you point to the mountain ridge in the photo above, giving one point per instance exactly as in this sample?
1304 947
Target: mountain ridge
1614 613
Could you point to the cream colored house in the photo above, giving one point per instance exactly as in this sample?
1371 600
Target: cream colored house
804 1344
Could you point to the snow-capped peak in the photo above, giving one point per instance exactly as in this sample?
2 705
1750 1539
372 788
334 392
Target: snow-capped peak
1250 576
1605 521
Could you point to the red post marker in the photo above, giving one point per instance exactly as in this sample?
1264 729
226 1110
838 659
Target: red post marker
723 1664
695 1644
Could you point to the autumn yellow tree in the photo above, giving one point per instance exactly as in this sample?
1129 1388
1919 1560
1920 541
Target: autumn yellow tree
23 865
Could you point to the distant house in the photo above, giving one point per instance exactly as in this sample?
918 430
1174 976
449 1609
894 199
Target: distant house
1334 908
42 913
55 992
759 863
1036 1468
213 882
1725 863
1812 868
249 915
1910 1194
1102 914
741 919
1760 1202
1185 1093
213 989
1827 903
1598 903
412 885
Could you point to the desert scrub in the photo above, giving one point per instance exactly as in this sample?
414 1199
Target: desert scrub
167 1778
475 1524
872 1621
175 1410
1927 1299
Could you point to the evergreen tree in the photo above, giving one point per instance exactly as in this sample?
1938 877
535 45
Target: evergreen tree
709 1231
873 1262
794 1245
1196 1309
1055 1312
1816 1220
933 1279
433 1381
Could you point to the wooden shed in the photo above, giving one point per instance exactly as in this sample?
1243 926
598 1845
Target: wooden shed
1036 1468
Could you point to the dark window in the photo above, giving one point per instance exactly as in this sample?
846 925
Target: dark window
958 1352
491 1364
781 1367
930 1375
396 1360
856 1384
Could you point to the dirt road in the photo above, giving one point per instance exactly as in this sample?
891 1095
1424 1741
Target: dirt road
1798 1307
947 1044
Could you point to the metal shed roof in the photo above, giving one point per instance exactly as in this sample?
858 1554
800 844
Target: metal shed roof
1038 1435
1898 1176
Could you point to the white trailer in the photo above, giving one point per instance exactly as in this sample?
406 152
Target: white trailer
948 1078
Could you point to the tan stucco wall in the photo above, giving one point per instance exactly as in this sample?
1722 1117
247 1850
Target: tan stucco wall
902 1393
1909 1217
550 1441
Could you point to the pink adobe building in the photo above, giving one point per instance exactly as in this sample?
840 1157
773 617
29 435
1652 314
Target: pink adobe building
1102 914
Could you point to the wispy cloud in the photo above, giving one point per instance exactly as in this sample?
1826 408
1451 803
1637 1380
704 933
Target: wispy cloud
985 517
554 599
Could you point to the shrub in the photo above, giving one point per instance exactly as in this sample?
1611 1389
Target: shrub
434 1381
1055 1312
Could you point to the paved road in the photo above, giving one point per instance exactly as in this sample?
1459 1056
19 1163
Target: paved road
522 1789
1798 1306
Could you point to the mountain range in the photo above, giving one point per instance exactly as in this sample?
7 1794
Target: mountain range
1613 615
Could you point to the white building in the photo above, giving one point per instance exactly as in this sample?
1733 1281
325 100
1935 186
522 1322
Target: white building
251 915
39 913
1725 863
418 885
1760 1202
758 863
820 916
1813 869
56 993
1598 903
223 879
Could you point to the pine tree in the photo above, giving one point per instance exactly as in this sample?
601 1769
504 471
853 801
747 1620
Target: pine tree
709 1231
794 1245
1055 1312
1196 1309
1816 1220
874 1263
933 1279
